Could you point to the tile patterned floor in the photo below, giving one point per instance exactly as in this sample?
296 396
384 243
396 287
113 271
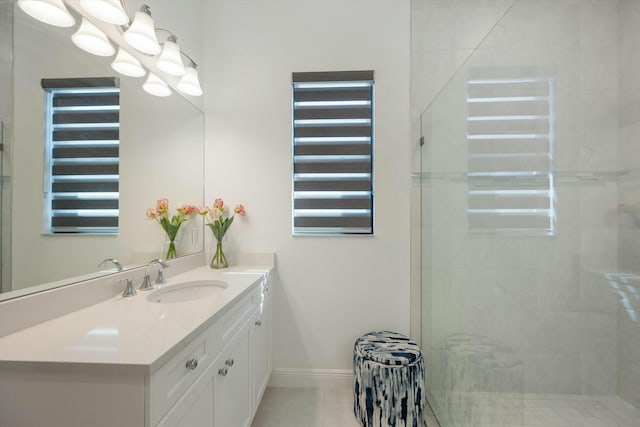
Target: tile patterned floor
305 407
537 410
578 410
331 407
308 407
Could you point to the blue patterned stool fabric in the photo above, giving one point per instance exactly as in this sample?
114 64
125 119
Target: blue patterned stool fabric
388 380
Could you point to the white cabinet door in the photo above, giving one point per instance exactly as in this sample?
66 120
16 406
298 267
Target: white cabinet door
195 408
261 352
232 388
201 412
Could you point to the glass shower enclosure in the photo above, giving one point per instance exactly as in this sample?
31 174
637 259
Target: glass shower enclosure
6 121
530 209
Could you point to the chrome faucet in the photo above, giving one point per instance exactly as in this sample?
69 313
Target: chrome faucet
128 289
113 261
146 281
160 280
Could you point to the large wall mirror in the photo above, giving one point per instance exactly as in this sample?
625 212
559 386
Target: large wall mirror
161 153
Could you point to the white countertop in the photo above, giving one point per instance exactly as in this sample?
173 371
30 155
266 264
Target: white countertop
129 331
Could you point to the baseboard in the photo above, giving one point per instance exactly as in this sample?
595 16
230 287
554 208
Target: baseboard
325 378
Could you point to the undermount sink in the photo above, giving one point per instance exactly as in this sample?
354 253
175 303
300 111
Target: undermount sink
187 291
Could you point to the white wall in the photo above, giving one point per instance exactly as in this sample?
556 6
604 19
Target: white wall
330 289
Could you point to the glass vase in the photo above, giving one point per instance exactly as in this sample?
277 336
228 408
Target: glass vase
219 260
171 250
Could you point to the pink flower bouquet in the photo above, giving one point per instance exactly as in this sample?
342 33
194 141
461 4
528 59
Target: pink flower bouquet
219 222
170 225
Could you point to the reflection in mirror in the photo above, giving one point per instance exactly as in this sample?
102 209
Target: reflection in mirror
160 150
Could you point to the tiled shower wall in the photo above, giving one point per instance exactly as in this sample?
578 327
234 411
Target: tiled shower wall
6 108
567 305
629 192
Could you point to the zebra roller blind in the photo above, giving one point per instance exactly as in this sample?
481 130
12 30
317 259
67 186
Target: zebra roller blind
510 145
82 155
332 152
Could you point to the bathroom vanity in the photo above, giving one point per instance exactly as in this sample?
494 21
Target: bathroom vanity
196 352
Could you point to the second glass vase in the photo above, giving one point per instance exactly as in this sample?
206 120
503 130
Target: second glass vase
171 250
219 260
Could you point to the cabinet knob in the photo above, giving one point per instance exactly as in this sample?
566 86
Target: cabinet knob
228 362
192 364
258 322
224 371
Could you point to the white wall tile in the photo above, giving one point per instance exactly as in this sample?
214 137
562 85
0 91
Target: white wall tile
559 332
558 290
598 374
598 249
598 150
600 333
558 373
628 380
597 293
599 204
628 147
596 24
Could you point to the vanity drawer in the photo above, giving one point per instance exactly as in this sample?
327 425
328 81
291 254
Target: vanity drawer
174 377
231 322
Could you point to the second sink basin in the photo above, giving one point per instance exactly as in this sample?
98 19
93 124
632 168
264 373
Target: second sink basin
187 291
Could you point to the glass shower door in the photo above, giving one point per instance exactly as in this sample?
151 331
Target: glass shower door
530 195
5 223
5 259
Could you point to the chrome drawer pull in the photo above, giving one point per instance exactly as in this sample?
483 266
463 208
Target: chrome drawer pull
192 364
258 322
228 362
223 371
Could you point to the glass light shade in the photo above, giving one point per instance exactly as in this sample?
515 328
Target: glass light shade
89 38
126 64
156 86
189 83
142 34
110 11
52 12
170 61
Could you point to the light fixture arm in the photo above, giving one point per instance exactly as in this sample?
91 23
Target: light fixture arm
157 29
193 63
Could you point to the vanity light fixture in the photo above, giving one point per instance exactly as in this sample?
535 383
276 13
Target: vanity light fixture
189 83
111 11
127 65
141 34
170 60
156 86
52 12
89 38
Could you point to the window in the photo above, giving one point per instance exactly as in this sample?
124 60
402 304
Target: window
82 138
332 152
510 163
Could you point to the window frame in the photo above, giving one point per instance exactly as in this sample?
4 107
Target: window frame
332 153
77 201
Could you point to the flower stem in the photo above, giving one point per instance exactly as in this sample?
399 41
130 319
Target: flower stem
219 260
171 251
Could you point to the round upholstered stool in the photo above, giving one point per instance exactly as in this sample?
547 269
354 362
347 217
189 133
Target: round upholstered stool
388 380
